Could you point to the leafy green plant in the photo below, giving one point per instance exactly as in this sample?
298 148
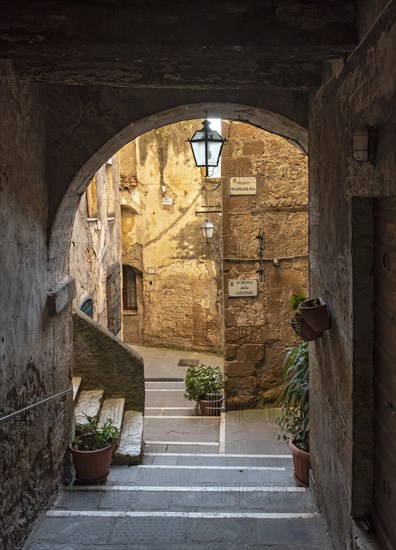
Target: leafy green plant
202 380
296 300
90 436
294 421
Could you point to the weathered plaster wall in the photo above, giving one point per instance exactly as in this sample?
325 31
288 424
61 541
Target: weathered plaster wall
35 348
96 242
257 331
340 243
178 290
103 361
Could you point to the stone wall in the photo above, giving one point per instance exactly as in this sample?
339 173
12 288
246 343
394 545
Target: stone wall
35 347
178 283
257 331
96 241
341 271
104 362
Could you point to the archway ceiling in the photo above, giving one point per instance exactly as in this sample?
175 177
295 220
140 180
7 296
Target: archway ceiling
268 43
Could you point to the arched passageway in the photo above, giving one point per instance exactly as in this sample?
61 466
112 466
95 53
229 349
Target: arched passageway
61 104
186 300
83 162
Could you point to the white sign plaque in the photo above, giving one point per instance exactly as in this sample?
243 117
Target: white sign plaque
243 185
242 288
167 201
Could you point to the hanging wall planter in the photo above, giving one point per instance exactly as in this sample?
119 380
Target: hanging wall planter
316 313
303 329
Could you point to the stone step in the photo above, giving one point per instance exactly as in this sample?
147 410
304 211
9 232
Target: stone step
182 430
181 447
89 403
195 459
129 450
63 529
112 408
169 411
76 383
179 475
166 397
208 497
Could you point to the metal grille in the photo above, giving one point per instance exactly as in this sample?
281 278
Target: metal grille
212 404
164 379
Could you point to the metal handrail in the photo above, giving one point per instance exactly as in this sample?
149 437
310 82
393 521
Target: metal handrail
30 407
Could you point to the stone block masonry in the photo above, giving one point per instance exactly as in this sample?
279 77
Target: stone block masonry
103 361
257 331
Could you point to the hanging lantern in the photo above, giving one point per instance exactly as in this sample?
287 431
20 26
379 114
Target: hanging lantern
206 145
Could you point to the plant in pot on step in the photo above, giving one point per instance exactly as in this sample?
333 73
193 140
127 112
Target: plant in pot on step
294 421
205 385
92 449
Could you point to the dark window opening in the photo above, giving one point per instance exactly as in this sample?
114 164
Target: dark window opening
129 294
87 307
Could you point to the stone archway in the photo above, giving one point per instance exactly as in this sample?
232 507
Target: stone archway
277 124
69 178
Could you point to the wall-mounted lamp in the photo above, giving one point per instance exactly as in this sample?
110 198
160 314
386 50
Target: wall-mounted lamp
365 143
206 145
207 229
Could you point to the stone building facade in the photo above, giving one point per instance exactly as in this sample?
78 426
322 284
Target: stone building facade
265 238
174 286
180 296
311 72
95 250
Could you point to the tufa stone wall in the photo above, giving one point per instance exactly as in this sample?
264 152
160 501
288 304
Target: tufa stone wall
35 347
341 262
257 331
178 285
103 361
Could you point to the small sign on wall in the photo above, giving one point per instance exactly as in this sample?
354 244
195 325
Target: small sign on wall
167 201
243 185
242 288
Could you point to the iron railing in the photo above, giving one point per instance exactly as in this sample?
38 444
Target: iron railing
30 407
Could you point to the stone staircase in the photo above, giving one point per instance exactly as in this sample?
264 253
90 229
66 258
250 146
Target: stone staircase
130 423
175 501
190 491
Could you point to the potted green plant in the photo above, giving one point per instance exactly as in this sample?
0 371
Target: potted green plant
92 449
205 385
294 421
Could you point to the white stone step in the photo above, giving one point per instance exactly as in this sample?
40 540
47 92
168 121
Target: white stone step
89 403
112 408
130 448
76 383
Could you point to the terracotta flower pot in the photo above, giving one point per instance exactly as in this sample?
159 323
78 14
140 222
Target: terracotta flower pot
92 466
301 464
315 312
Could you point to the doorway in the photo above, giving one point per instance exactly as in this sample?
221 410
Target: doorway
384 494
